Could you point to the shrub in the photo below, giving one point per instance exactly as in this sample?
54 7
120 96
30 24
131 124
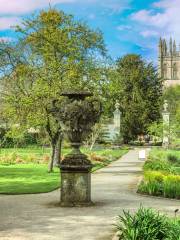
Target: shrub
161 174
158 165
145 224
174 229
173 158
14 158
152 183
154 176
94 157
152 188
171 186
157 183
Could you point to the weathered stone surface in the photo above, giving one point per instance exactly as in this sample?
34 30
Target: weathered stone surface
75 188
166 122
78 115
76 161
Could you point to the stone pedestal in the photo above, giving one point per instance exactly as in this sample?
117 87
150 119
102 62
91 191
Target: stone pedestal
75 181
166 121
117 124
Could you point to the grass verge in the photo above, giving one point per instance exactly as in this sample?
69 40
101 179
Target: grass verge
27 178
31 175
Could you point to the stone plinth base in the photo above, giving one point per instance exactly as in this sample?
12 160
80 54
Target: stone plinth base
75 183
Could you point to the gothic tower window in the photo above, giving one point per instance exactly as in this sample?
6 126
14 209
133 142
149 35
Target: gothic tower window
174 71
164 72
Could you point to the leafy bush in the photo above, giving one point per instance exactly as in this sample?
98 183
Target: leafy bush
152 183
173 158
162 174
145 224
15 158
174 230
152 188
157 183
158 164
171 186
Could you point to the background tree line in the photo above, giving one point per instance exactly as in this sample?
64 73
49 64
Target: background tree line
54 53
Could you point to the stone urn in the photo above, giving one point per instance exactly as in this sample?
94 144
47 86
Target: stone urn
77 114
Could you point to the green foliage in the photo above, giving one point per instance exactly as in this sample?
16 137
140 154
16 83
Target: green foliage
173 159
155 129
53 53
159 160
24 171
138 89
171 186
145 224
172 95
152 183
158 165
159 184
175 229
40 155
162 174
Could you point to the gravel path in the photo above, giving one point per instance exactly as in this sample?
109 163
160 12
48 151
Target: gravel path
37 216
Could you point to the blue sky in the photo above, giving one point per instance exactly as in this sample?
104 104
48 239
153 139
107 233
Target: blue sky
129 26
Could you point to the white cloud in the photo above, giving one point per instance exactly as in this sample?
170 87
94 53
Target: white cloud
116 6
26 6
7 22
124 27
149 33
164 17
151 18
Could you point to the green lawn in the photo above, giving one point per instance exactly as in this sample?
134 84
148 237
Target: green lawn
27 178
33 177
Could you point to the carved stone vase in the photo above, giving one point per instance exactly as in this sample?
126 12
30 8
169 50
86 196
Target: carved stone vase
78 114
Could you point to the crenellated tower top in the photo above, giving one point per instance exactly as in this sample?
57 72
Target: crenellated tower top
169 61
165 51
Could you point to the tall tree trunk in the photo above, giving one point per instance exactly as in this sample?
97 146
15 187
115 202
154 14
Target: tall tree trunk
56 140
56 143
51 163
57 154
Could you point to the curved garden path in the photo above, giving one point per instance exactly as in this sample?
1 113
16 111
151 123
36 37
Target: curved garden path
37 217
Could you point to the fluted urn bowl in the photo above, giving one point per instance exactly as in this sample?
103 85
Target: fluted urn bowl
79 113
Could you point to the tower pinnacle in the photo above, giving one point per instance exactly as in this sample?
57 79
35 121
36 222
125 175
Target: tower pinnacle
170 46
174 47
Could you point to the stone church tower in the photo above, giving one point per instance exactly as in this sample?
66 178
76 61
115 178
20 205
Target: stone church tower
169 62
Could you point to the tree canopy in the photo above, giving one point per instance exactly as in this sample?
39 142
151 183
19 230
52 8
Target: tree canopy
53 53
139 90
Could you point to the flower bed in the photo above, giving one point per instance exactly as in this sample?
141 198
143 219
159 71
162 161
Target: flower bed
162 174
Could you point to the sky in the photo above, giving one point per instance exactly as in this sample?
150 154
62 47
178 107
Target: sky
129 26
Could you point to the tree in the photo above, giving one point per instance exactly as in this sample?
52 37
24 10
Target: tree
172 95
139 90
156 130
53 53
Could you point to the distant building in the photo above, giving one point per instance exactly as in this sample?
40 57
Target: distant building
169 62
